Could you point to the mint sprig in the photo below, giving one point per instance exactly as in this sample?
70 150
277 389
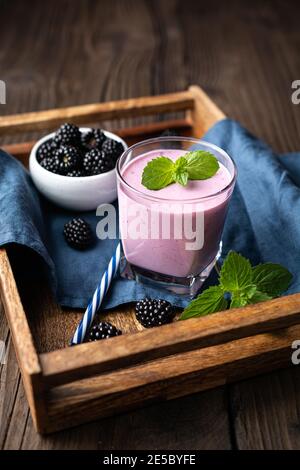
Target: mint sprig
240 284
162 171
159 173
211 300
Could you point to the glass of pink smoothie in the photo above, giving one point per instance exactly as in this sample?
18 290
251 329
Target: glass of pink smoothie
172 237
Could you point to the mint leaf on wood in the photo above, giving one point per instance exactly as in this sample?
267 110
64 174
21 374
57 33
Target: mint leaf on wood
244 284
259 297
249 290
238 299
201 165
272 279
158 173
210 301
236 273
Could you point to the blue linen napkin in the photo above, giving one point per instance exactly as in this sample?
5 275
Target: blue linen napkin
262 223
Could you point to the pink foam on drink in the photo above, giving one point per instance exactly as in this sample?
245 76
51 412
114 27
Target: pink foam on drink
171 256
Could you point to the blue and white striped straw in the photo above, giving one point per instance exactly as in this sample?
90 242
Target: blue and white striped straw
97 299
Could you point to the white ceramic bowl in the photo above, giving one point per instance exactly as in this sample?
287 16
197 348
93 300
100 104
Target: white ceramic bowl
80 193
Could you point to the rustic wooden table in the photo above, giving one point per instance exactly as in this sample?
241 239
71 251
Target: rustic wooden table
245 55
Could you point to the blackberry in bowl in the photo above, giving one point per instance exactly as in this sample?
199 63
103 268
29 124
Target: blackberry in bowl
70 168
94 139
96 161
68 159
68 134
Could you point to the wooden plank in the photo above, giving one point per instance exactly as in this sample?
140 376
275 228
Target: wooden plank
18 413
167 378
22 338
52 118
168 425
265 411
184 423
9 383
63 366
17 319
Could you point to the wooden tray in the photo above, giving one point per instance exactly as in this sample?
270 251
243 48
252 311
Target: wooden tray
67 386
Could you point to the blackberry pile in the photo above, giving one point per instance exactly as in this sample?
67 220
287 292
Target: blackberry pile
154 312
74 153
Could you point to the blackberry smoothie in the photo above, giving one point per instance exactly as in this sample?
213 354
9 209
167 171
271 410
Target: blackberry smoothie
153 223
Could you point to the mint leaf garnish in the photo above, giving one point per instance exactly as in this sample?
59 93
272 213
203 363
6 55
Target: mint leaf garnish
181 178
242 284
162 171
180 174
210 301
201 165
236 272
272 279
158 173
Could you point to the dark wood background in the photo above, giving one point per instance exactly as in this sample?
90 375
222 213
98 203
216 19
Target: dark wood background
245 54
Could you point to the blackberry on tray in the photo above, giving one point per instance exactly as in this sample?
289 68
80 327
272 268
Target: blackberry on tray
154 312
103 330
78 234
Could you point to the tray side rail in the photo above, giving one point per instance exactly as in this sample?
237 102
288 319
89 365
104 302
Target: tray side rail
28 358
135 107
85 360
